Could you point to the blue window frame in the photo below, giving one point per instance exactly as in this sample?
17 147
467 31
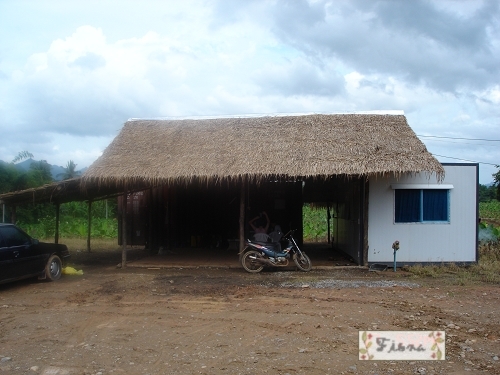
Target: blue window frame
421 205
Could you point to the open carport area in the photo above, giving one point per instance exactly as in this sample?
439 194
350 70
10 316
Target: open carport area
207 320
322 256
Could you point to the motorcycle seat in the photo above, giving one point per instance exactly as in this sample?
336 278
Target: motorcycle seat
271 246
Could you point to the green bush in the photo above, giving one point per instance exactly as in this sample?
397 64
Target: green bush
77 228
315 223
490 210
39 220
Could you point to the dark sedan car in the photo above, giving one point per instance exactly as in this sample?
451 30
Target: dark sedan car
22 256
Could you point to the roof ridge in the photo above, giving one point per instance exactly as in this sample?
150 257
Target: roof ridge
395 112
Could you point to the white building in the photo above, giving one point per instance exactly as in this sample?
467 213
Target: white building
434 221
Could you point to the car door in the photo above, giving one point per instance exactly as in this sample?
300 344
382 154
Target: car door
6 259
24 256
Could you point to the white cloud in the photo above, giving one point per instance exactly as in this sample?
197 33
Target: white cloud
68 83
414 41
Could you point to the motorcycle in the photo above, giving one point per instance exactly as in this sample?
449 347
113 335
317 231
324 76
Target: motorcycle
257 255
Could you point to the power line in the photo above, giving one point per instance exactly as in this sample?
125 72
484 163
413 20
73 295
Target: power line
467 139
470 161
463 143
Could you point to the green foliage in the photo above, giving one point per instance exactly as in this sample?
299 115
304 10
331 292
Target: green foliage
487 193
39 220
8 177
105 208
73 228
39 173
42 228
496 179
315 224
80 209
490 210
100 228
488 233
74 210
12 179
489 229
69 171
33 214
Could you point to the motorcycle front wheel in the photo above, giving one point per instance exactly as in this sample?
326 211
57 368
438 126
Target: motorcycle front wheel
302 262
250 263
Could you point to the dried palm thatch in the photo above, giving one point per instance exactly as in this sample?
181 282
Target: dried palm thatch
257 148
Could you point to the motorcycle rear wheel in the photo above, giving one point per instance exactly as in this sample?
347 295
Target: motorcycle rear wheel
250 263
302 262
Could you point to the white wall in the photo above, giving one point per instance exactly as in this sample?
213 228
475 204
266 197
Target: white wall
425 242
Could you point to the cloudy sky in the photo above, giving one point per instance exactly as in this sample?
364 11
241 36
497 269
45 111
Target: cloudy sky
72 72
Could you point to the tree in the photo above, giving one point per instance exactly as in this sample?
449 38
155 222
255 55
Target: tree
487 193
40 173
8 178
69 171
496 180
22 155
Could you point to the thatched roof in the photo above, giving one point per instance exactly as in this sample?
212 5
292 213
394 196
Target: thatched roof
59 192
211 150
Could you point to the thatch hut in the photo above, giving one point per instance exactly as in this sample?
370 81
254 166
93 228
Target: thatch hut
206 176
260 148
196 182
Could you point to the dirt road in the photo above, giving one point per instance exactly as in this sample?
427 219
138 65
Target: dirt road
225 321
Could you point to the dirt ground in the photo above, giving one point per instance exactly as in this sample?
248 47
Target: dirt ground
154 320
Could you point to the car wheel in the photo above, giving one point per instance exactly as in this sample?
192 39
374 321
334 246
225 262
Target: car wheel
53 269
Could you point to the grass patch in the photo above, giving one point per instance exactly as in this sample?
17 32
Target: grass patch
488 267
487 270
97 245
419 270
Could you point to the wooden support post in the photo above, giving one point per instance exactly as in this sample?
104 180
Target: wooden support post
149 233
56 239
89 228
328 217
13 217
364 220
242 218
124 229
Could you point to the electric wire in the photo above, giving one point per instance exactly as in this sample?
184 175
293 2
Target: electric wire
467 139
463 138
469 161
462 143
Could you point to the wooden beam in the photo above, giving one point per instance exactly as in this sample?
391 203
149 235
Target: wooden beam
328 217
242 217
150 220
89 226
56 239
365 193
124 229
13 216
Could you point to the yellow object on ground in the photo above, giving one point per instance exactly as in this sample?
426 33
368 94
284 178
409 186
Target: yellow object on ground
71 271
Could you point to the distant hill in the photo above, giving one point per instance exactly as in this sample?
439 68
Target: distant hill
56 170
